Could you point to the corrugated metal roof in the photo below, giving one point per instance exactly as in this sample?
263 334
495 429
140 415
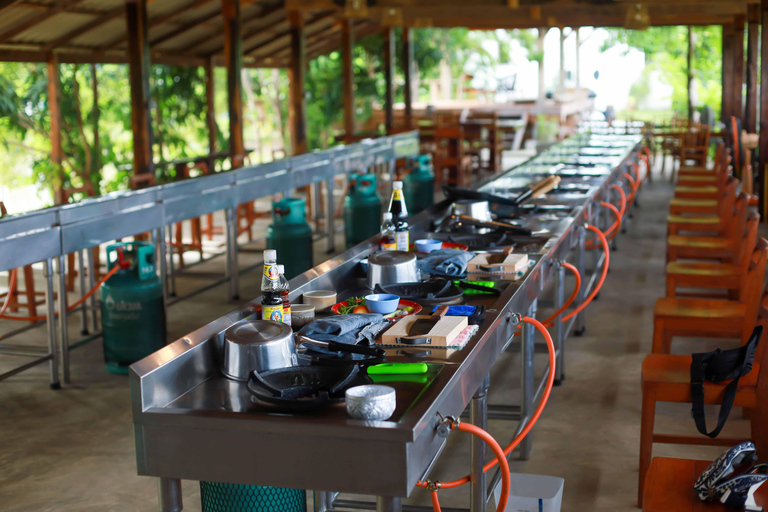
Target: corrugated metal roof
98 36
15 15
52 28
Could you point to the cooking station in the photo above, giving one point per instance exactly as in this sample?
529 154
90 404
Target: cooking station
193 423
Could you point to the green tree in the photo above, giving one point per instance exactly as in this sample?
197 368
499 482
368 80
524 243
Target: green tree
666 50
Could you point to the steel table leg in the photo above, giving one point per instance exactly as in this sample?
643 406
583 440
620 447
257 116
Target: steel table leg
171 264
479 417
581 265
83 291
170 495
64 333
527 387
233 284
318 203
559 325
50 308
388 504
161 258
320 501
330 247
93 301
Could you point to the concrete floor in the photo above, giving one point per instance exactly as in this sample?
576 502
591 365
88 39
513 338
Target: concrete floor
72 450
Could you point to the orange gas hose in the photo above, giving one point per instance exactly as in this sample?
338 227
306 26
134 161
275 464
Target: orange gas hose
549 322
646 156
501 458
606 249
614 228
11 288
69 308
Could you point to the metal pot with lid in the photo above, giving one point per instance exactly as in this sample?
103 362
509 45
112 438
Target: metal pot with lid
392 267
257 345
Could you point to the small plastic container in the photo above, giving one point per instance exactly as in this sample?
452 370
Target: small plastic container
301 315
382 303
533 493
428 245
371 402
321 299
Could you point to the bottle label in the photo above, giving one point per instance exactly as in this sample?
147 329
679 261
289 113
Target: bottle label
388 246
287 314
402 240
274 313
397 195
271 273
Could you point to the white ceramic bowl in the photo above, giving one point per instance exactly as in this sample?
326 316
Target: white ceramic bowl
371 402
302 314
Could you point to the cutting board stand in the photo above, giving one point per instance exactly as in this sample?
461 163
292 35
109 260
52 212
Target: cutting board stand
442 334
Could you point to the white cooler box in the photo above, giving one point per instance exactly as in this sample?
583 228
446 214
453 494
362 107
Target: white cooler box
532 493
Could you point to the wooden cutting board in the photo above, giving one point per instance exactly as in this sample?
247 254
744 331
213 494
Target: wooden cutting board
506 263
442 334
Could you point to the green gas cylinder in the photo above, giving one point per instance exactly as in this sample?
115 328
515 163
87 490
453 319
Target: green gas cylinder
362 210
290 235
420 184
132 308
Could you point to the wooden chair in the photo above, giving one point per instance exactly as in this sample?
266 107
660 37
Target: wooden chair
452 165
712 318
683 206
694 170
713 276
692 185
669 487
667 378
718 224
695 146
724 249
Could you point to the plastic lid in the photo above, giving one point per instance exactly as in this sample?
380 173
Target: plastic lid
270 254
397 185
387 216
281 269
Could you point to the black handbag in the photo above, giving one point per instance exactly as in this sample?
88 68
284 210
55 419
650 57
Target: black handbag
719 366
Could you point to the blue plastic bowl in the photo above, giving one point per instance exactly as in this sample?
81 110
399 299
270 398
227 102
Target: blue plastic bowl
382 303
428 245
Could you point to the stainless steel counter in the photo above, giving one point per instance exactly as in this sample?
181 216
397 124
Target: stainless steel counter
192 423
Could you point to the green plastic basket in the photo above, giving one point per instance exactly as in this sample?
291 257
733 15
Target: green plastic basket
219 497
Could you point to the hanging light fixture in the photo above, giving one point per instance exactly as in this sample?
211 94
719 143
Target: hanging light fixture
638 17
392 17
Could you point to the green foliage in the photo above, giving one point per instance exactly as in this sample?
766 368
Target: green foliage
666 50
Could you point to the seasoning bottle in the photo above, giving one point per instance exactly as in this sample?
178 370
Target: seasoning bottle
285 290
399 214
388 242
271 300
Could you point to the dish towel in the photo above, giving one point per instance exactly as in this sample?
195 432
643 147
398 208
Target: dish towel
445 262
353 329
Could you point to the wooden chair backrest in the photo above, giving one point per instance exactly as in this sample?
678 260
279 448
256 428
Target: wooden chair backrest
736 228
728 198
754 288
746 250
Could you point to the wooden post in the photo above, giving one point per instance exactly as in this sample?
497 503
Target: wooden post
297 74
561 75
690 71
54 110
737 107
762 170
753 38
389 76
348 76
210 113
233 59
726 110
96 114
138 62
408 75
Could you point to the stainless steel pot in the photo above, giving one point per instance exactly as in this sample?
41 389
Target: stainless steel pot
257 345
476 209
392 267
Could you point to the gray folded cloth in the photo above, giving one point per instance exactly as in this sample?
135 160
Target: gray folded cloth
353 329
446 262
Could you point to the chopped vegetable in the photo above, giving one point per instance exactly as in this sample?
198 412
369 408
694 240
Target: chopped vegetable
352 303
361 309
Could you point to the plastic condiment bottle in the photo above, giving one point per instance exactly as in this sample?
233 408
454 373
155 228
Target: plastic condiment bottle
271 300
399 214
285 290
388 242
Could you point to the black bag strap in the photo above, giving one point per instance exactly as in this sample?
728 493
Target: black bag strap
698 378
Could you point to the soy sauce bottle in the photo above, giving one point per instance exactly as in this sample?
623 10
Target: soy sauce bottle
399 214
271 299
387 242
